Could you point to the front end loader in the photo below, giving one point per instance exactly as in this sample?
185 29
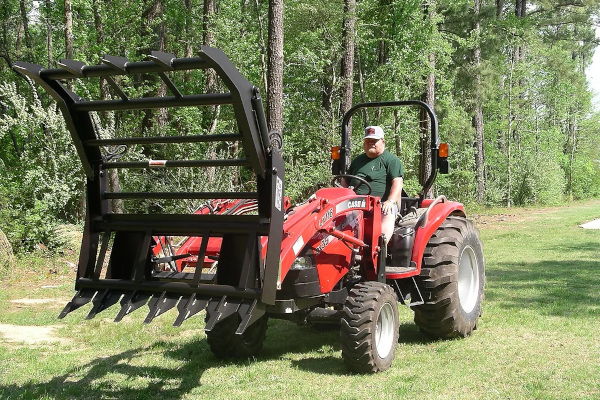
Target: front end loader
247 255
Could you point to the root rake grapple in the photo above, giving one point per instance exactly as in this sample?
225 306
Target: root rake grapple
247 255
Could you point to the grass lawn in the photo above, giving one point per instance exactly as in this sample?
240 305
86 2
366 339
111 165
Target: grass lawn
538 338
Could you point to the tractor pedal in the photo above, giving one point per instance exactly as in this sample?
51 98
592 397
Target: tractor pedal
81 298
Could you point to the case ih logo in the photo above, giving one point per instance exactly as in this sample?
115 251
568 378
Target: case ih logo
370 131
352 203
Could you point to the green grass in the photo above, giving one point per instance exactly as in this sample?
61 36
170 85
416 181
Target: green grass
538 337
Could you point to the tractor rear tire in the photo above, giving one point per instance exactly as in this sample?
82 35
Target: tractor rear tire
369 327
451 281
224 343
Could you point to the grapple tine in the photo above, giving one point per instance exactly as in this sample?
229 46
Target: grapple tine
103 301
219 310
159 304
81 298
248 313
188 307
132 302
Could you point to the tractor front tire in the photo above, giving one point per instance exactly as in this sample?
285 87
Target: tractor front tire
369 327
224 343
451 281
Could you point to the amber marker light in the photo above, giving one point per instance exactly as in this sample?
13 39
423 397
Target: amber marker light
443 151
335 153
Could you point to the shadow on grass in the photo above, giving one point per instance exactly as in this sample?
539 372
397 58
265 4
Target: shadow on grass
125 376
557 288
134 374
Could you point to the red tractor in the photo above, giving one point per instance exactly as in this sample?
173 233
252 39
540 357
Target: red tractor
250 255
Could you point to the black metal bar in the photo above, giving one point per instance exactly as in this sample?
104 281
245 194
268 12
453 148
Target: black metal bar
182 288
170 85
200 261
179 195
154 102
139 268
275 188
231 137
185 225
129 67
116 88
177 164
102 255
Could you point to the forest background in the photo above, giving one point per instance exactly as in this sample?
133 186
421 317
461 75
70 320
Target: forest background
506 79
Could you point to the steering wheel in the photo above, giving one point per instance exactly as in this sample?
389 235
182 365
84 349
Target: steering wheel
336 181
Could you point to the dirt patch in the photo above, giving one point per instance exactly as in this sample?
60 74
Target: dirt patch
26 302
493 220
37 301
30 334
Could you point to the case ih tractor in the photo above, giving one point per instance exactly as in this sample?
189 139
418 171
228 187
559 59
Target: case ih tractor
249 255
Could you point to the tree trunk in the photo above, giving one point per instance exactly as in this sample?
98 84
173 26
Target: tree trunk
478 115
509 135
113 175
263 50
208 39
429 98
100 41
25 21
275 67
49 44
151 11
68 30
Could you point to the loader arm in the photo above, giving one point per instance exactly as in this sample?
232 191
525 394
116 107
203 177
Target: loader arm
246 280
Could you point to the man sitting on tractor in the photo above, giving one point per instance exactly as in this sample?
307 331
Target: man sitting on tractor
383 171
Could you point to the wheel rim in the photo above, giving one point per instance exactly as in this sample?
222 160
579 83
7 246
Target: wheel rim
384 334
468 279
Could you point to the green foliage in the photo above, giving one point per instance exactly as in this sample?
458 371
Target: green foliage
42 182
541 136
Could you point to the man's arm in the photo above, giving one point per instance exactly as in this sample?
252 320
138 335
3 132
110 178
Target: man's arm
394 196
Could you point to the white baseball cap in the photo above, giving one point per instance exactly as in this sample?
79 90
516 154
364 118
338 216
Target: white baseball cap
373 132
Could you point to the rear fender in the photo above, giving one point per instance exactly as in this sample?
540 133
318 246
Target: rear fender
437 215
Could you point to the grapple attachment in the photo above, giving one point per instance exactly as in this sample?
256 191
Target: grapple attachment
117 264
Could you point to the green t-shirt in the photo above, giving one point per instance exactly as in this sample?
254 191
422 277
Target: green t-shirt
378 172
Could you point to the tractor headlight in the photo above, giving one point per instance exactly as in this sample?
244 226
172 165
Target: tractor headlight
302 262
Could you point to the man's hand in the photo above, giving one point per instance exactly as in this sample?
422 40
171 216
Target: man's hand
387 207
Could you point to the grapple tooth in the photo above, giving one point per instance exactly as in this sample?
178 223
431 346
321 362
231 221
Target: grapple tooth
103 301
131 302
159 304
188 307
249 314
81 298
219 310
